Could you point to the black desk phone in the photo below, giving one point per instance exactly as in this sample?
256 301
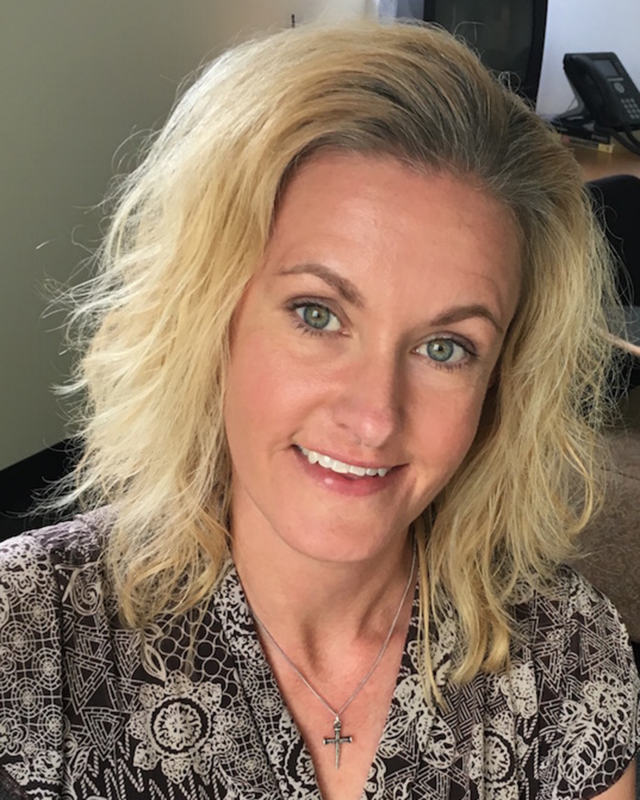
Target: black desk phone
605 88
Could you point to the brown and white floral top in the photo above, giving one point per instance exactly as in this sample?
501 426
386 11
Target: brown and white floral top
90 710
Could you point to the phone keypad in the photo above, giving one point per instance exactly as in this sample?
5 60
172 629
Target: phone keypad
631 106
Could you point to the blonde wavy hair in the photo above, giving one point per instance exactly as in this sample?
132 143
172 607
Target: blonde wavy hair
188 230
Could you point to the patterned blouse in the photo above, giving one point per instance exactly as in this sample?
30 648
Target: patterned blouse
91 710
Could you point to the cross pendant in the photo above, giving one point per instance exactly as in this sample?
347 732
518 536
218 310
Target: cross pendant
337 740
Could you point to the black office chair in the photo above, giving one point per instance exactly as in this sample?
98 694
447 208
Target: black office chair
616 202
21 483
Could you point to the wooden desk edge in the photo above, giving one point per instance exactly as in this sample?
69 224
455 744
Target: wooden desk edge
595 164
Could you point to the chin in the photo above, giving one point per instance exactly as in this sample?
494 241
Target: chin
346 544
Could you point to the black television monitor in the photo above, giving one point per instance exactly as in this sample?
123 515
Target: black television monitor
508 34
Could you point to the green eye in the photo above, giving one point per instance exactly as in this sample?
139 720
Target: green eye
318 317
445 351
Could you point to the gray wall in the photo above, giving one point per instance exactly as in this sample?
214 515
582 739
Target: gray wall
78 78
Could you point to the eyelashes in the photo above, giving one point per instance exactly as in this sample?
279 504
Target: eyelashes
316 318
446 351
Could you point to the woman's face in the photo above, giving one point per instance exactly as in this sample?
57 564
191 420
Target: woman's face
361 354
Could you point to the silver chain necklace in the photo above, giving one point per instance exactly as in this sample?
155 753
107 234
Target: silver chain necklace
337 740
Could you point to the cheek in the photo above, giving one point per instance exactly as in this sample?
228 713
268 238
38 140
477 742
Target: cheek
249 390
448 430
265 386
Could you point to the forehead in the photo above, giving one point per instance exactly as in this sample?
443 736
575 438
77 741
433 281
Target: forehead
380 219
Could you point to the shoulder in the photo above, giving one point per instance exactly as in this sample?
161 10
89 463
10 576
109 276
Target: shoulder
574 638
71 544
57 628
76 541
587 684
565 611
38 568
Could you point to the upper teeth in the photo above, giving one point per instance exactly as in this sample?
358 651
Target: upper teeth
339 466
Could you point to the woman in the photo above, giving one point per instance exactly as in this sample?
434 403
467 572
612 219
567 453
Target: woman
345 376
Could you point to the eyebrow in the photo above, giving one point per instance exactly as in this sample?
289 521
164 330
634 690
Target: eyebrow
459 313
351 294
347 290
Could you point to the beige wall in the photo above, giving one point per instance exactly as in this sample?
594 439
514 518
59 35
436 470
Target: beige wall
241 17
79 77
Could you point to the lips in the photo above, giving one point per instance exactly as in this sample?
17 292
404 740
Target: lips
341 467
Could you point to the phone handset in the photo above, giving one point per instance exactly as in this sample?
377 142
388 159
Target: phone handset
607 93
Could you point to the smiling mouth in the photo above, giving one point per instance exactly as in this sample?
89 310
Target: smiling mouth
326 462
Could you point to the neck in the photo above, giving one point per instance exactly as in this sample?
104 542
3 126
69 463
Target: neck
304 602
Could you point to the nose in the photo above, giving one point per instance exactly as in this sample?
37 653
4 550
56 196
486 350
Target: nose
369 405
